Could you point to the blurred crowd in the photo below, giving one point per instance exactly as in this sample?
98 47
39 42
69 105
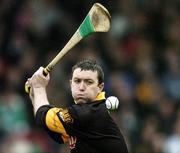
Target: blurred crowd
140 56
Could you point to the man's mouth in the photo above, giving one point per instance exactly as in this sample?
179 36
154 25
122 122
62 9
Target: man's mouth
81 98
80 95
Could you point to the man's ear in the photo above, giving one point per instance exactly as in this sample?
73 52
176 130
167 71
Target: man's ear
70 82
101 86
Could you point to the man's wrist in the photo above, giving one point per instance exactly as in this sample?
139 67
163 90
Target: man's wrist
40 98
38 90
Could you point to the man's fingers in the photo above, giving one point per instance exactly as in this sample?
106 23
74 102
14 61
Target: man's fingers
38 79
39 72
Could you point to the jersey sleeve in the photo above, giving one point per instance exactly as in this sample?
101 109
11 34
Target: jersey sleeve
46 117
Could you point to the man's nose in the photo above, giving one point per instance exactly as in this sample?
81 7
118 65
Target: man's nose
82 86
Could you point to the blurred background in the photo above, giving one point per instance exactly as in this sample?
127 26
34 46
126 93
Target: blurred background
140 56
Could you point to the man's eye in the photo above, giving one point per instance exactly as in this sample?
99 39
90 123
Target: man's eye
89 82
77 81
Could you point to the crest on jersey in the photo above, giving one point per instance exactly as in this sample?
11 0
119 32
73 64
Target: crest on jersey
65 116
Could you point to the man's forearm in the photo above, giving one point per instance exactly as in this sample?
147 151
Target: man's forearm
40 98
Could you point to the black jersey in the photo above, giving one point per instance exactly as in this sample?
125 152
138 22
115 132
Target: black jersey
89 122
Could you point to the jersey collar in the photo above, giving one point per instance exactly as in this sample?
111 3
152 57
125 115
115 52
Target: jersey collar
100 96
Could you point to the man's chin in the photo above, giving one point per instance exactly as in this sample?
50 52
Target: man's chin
81 100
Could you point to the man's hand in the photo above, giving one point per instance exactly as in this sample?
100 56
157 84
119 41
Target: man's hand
38 80
37 84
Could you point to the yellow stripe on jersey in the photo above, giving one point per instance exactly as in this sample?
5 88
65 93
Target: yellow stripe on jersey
54 124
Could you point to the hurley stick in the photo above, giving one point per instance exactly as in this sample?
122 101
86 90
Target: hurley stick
97 20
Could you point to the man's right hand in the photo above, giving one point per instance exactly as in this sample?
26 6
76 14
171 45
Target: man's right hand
38 80
37 93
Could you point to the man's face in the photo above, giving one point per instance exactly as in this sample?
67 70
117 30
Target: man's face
84 85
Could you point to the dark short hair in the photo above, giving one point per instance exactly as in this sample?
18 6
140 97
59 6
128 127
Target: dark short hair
92 65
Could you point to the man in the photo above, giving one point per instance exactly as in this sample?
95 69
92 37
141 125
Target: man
87 124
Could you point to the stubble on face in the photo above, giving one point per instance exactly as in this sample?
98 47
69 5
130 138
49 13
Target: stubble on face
84 85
